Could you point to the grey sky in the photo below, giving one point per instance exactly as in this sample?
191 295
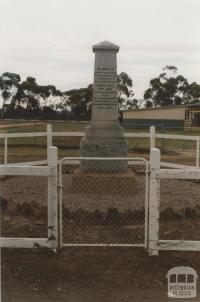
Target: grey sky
52 39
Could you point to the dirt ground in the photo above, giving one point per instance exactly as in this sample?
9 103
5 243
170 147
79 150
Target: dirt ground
114 274
89 274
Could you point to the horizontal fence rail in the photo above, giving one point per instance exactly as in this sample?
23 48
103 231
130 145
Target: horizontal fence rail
49 134
27 171
176 174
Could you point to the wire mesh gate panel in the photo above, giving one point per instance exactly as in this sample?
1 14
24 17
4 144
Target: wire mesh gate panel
98 207
179 209
28 221
23 206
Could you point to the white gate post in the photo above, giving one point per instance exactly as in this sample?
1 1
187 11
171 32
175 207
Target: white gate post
154 201
197 153
52 159
5 149
49 136
152 137
60 186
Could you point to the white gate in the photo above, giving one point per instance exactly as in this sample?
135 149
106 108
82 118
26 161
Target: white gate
50 171
103 209
157 174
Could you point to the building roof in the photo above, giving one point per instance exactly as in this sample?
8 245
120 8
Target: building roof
156 108
167 107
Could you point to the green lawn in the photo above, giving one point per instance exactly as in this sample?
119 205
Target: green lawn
56 126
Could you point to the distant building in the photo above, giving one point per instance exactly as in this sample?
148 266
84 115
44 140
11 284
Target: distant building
182 116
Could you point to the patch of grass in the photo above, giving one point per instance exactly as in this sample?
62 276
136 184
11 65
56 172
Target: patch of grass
56 126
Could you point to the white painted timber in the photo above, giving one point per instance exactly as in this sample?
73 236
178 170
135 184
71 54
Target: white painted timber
181 137
179 245
49 136
154 200
52 158
68 134
30 163
146 203
5 149
131 161
26 170
60 204
28 134
24 242
73 133
103 245
174 166
176 174
152 136
197 152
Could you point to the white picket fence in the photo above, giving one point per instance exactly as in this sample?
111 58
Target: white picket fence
152 135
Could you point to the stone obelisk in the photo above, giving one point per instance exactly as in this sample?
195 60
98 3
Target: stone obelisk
104 137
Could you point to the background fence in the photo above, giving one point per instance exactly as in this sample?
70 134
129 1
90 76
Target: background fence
27 147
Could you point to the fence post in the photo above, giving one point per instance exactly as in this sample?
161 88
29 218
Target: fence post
60 186
49 136
197 152
5 149
52 158
152 137
154 201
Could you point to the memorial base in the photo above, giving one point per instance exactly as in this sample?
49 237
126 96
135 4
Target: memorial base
103 183
103 142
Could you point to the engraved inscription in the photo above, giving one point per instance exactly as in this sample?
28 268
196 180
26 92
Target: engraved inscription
105 88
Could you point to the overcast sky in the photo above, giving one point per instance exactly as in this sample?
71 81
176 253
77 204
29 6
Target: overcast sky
52 39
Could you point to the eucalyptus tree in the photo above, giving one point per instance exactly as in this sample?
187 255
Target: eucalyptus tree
168 89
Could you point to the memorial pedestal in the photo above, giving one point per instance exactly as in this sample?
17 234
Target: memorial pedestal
103 142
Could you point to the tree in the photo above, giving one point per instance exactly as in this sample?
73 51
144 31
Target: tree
194 92
24 98
32 93
80 101
168 89
124 83
132 103
148 104
7 82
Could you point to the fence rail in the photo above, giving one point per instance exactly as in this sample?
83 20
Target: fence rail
49 134
157 174
49 171
142 221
